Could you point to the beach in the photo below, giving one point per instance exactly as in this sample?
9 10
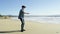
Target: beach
12 26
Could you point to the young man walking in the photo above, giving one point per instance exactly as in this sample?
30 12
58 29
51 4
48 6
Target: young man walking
21 17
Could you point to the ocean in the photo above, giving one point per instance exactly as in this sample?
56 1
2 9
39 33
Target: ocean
49 20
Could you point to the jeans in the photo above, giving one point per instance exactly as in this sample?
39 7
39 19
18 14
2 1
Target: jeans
22 23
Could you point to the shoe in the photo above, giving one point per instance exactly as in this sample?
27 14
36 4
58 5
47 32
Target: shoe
21 30
24 30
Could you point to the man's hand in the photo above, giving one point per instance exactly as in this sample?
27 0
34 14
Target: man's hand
26 13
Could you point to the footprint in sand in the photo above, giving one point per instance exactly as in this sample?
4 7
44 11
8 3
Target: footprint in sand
57 32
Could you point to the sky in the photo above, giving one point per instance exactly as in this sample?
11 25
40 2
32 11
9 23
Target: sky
34 7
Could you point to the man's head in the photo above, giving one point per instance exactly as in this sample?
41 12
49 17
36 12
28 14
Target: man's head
23 7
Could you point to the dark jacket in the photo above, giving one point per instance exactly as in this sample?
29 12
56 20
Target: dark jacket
21 14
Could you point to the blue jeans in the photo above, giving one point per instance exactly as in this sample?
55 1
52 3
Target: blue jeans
22 23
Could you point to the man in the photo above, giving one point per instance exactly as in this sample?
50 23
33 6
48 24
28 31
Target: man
21 17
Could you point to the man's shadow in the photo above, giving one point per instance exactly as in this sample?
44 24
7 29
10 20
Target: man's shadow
10 31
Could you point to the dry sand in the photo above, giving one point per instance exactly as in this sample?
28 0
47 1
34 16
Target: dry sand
10 26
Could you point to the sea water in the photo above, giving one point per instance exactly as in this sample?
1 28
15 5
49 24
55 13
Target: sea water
50 20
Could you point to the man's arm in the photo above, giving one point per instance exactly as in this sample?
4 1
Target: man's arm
26 13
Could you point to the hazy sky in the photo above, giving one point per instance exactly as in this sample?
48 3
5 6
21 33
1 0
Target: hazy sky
34 7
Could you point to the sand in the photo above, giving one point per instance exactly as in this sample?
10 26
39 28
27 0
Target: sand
11 26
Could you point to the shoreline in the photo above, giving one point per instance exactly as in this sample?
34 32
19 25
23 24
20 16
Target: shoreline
49 20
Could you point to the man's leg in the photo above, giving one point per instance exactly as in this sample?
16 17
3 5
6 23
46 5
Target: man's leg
22 24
